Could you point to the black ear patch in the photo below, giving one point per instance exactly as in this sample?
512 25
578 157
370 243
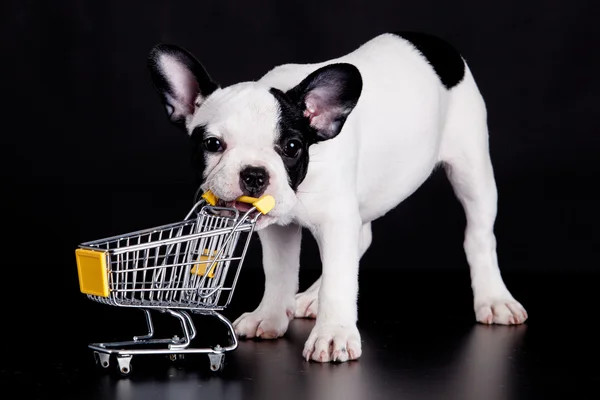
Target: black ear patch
327 96
442 56
180 80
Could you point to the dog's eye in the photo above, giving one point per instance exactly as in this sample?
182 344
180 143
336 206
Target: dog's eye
213 145
292 148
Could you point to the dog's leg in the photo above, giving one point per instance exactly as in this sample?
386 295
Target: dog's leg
469 168
307 303
335 336
473 183
281 261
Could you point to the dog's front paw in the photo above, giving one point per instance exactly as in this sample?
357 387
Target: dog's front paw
501 310
307 304
260 324
333 343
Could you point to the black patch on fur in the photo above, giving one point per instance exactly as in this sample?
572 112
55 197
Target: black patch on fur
293 125
442 56
342 86
198 158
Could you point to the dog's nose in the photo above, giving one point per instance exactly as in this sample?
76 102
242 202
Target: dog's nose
254 180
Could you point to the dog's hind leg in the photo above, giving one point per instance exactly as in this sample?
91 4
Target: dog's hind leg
307 302
465 153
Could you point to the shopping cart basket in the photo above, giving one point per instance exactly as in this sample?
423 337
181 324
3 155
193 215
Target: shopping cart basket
188 266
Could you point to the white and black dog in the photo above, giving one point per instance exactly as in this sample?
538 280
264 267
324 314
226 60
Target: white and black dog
339 144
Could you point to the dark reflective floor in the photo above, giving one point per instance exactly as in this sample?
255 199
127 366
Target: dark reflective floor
419 342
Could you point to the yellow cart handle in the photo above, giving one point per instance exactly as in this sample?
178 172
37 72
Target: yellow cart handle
263 204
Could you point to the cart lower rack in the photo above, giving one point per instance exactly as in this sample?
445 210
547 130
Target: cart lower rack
188 266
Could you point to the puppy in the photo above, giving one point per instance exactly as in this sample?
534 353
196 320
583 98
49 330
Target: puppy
339 144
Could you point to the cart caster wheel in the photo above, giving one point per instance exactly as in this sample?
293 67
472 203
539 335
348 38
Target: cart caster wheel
102 359
124 364
125 371
217 361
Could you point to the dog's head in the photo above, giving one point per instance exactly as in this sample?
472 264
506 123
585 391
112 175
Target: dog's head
251 139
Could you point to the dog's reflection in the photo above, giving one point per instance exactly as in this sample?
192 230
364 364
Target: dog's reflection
484 368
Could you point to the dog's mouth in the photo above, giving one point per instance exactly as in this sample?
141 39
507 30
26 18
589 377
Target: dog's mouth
238 205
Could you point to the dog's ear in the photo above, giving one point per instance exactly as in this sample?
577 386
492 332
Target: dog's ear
180 80
327 96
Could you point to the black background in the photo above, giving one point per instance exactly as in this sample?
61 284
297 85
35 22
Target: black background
87 151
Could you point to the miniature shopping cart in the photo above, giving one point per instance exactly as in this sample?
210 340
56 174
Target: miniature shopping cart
188 266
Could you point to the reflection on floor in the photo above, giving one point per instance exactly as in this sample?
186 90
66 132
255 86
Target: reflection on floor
412 349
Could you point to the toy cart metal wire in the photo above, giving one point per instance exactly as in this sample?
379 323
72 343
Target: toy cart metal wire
188 266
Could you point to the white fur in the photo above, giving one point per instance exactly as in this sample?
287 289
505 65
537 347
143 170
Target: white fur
403 125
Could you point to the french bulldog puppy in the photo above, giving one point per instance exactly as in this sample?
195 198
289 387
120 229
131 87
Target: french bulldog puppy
339 144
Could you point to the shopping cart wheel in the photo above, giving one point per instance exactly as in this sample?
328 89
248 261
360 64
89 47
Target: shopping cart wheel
217 361
103 359
124 364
